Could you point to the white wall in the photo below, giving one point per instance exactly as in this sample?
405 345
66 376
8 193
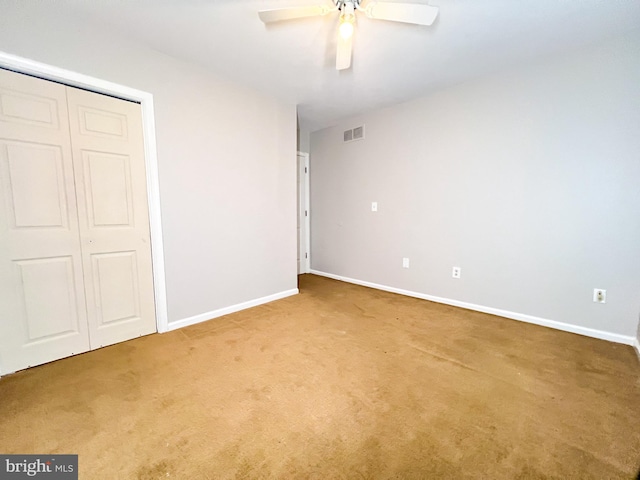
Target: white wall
528 180
226 157
304 140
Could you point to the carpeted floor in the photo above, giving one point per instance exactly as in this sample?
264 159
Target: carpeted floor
338 382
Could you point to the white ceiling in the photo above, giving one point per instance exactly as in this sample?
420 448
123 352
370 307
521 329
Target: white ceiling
392 62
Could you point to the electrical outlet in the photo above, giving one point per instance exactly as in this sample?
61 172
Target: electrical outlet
456 272
374 206
599 295
405 263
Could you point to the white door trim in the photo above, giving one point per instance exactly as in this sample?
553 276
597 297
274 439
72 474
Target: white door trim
307 219
48 72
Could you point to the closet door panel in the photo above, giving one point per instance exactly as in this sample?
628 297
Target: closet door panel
42 301
108 155
116 286
109 193
35 185
48 296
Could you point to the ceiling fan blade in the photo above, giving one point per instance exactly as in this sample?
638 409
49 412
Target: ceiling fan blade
402 12
343 55
279 14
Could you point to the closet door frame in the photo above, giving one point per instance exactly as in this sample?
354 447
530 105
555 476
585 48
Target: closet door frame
145 99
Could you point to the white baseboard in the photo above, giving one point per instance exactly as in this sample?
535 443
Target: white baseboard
567 327
185 322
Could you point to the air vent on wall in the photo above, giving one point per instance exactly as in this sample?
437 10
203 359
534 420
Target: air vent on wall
356 133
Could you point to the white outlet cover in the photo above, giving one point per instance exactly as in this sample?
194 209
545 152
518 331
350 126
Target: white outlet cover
456 271
374 206
405 263
597 298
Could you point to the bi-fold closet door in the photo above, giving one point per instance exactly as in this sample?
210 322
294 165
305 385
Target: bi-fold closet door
75 253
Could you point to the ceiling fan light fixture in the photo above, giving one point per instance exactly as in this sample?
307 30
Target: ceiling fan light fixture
346 29
347 20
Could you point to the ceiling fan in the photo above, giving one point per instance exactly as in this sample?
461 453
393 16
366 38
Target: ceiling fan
396 12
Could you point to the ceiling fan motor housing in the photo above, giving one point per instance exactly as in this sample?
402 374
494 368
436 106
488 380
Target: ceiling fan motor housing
342 3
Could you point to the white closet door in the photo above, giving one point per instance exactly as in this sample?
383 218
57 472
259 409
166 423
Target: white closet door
42 301
108 157
302 212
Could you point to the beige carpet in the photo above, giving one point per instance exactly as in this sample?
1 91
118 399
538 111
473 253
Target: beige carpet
338 382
